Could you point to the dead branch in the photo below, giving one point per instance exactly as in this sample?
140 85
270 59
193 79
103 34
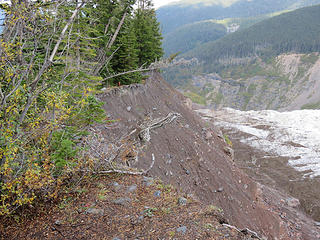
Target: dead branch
245 231
131 144
126 171
132 71
109 44
48 62
114 37
144 134
162 64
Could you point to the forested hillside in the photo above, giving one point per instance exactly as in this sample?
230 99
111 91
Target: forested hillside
186 12
270 65
296 31
190 36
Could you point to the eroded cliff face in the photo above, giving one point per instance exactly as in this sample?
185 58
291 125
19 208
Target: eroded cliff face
191 154
287 82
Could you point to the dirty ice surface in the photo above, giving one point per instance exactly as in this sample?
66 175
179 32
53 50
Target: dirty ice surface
295 134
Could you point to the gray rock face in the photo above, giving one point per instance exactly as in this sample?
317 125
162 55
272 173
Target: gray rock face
295 84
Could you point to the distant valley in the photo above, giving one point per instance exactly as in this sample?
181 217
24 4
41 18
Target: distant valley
268 61
185 12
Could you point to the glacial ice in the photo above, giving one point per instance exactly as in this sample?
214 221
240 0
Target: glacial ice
294 134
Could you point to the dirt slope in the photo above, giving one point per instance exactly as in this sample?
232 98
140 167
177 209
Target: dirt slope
123 207
190 155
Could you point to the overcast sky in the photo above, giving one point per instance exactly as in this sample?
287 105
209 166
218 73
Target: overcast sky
159 3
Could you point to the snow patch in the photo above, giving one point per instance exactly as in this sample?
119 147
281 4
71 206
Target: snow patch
295 134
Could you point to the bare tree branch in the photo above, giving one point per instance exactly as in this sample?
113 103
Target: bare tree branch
109 44
126 171
245 231
48 62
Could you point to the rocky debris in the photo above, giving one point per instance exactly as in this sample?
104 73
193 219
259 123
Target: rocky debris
131 188
157 193
58 222
220 189
148 218
128 108
182 201
95 211
117 187
241 210
182 230
209 135
293 202
229 151
188 103
147 181
122 201
140 218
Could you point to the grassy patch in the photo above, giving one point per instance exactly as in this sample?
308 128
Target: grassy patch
311 106
227 139
218 98
309 58
196 98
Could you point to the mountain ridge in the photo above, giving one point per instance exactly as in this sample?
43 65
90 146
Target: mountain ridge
270 65
263 38
175 15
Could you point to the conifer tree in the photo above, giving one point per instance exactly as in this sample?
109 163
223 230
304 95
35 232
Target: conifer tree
148 33
125 56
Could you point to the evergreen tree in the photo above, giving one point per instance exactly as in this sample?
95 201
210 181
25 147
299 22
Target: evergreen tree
125 56
148 33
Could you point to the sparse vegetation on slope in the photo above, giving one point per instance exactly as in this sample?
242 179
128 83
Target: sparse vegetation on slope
123 207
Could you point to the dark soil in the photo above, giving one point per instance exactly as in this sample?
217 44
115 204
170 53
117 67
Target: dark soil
197 164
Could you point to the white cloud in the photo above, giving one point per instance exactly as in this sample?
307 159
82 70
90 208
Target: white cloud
159 3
